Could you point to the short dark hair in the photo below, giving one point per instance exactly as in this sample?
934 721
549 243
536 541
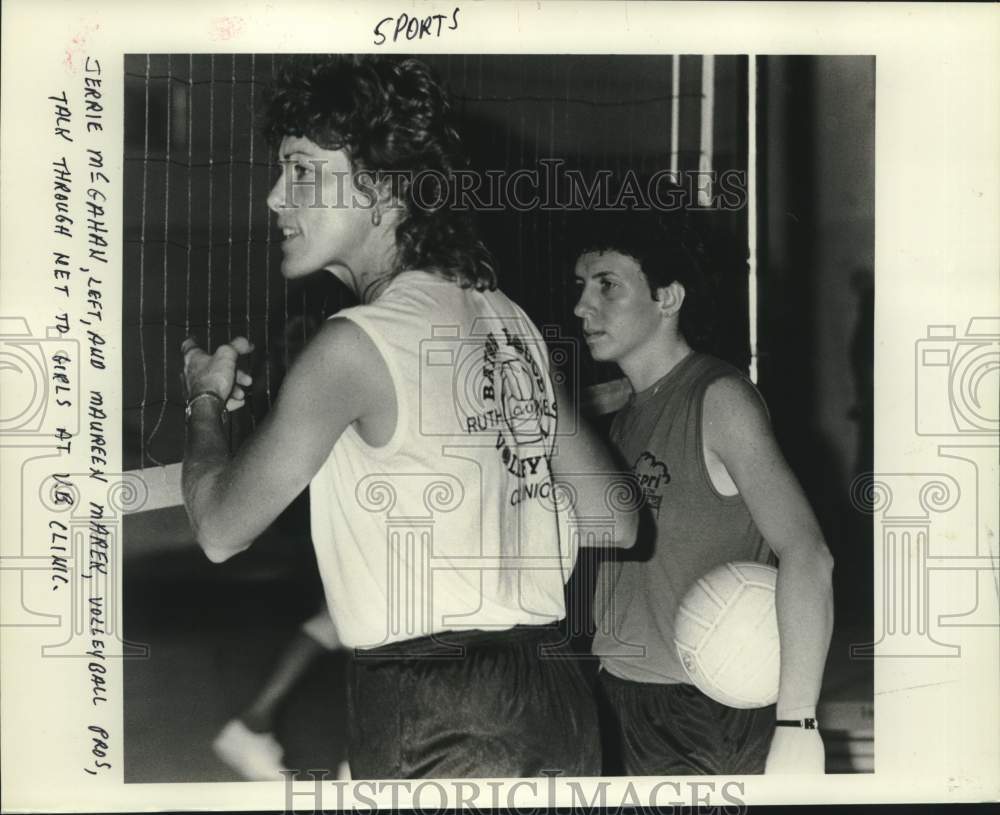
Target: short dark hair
667 248
394 120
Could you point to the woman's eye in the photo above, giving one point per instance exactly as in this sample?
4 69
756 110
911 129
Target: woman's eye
300 171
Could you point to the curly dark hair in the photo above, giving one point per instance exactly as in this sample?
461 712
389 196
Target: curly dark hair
394 121
667 248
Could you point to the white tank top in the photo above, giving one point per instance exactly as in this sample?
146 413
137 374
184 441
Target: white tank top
452 524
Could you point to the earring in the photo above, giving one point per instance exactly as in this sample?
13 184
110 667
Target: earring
376 216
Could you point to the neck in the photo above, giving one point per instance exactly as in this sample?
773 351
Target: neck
373 268
372 287
645 369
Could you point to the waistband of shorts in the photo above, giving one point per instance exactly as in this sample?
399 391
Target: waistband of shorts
607 676
449 644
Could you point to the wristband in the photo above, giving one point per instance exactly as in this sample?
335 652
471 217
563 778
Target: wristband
202 395
805 724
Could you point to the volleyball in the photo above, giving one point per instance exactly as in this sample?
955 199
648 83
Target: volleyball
726 634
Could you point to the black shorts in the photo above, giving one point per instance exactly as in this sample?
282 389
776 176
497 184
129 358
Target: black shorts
504 704
655 729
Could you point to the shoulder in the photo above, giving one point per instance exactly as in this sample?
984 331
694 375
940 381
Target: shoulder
733 412
340 362
733 391
411 286
343 341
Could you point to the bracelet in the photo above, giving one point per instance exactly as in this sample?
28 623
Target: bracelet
202 395
805 724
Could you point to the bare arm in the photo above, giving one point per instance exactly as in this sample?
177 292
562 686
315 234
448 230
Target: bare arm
232 499
737 431
588 465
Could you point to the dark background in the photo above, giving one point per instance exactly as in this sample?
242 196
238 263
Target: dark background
201 257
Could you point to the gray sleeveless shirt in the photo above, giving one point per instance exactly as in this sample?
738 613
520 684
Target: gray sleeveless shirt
687 529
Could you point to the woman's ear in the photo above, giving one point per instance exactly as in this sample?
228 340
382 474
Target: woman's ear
389 192
670 298
381 194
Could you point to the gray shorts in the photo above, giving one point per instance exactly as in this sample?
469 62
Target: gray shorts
505 704
677 730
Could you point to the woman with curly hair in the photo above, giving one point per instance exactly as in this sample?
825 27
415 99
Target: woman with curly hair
424 421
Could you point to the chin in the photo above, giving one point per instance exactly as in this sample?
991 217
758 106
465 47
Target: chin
293 268
291 272
600 354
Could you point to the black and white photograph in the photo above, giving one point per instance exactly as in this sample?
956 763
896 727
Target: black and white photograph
513 404
549 180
